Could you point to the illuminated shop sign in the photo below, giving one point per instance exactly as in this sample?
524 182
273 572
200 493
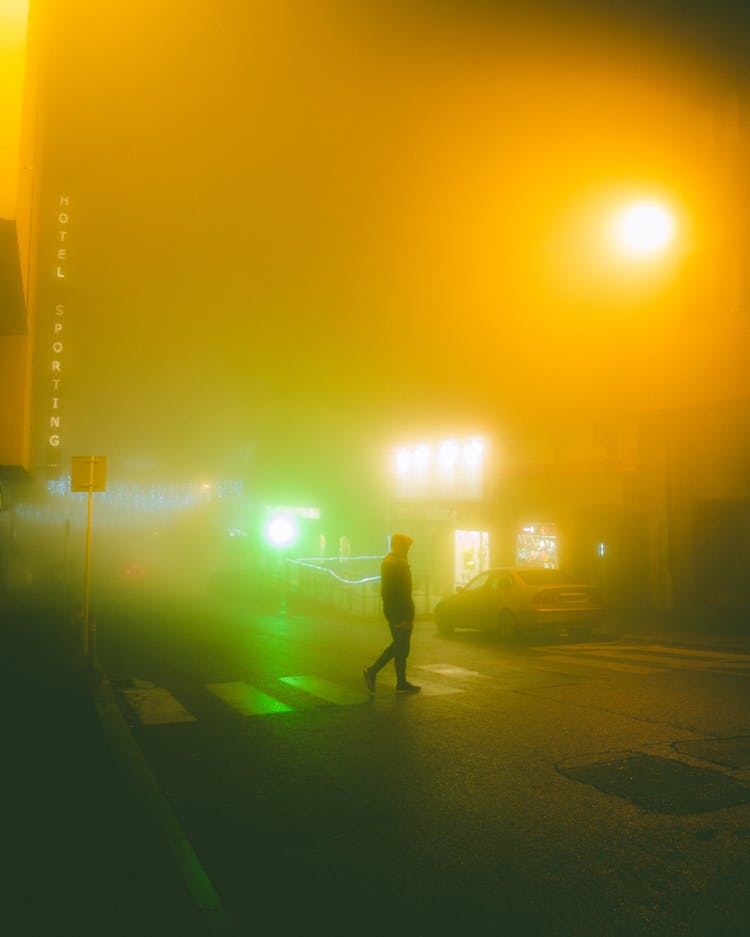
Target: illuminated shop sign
56 340
308 514
449 468
536 545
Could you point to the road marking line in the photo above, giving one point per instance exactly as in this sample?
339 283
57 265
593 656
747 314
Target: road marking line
687 652
330 692
247 699
719 662
156 706
601 664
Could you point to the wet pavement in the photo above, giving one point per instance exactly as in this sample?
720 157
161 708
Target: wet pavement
83 852
95 847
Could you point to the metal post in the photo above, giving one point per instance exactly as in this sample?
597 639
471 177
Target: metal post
284 584
84 477
87 568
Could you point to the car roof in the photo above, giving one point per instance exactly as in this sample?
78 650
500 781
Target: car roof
520 569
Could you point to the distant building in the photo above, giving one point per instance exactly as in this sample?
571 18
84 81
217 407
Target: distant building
16 260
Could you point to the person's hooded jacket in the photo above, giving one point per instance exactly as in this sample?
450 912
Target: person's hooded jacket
395 582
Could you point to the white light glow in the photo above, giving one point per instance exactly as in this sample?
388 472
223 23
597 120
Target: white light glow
448 468
403 461
448 455
422 456
281 531
473 452
645 228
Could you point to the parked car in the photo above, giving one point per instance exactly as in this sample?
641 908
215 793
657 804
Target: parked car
519 601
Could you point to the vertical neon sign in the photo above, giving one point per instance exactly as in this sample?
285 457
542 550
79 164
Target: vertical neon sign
56 337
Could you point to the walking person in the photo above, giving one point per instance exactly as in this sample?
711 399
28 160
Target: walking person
398 608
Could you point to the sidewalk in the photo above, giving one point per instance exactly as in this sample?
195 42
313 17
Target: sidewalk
698 627
83 855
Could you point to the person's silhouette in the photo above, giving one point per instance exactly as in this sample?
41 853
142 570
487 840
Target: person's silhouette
398 608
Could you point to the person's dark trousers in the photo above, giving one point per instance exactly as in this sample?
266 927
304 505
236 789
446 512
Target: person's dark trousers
398 651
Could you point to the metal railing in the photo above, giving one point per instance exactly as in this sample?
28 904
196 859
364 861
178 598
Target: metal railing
350 584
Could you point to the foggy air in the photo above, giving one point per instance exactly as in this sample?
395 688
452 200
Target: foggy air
375 467
273 244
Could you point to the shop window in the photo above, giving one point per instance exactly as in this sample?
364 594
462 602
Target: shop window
536 545
472 554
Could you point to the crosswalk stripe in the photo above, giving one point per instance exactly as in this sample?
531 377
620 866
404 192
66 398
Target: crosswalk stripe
437 689
156 706
247 699
324 689
448 670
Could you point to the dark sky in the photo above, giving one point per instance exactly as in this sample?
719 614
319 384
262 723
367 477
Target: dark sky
302 231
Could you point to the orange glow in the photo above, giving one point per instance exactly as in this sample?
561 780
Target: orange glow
400 218
13 21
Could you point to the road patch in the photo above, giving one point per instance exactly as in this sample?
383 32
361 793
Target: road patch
662 785
731 753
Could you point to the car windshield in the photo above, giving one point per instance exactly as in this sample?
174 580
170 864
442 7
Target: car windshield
543 577
477 582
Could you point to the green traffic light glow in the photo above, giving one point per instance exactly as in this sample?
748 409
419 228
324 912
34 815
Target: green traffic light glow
247 699
281 531
324 689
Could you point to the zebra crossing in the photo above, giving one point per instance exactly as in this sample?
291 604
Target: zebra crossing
643 659
154 705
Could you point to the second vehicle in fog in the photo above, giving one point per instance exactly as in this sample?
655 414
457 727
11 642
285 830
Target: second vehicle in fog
518 601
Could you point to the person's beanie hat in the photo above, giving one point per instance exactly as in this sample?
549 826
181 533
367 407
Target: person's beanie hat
400 543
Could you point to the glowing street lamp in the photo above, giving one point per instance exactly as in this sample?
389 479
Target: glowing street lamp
281 532
645 228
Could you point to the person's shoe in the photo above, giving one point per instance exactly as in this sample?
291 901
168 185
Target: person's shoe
369 679
407 688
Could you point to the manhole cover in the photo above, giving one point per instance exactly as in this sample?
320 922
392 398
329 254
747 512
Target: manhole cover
660 784
733 753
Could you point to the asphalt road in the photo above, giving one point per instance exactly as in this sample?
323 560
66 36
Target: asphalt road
588 789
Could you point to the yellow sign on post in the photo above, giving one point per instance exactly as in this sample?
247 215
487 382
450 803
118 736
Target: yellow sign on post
88 473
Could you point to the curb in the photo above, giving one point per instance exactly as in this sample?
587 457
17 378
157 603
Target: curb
133 762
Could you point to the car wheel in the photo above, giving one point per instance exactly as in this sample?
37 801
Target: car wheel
444 626
507 626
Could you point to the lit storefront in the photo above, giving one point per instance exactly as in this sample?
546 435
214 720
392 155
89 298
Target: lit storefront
439 497
467 514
